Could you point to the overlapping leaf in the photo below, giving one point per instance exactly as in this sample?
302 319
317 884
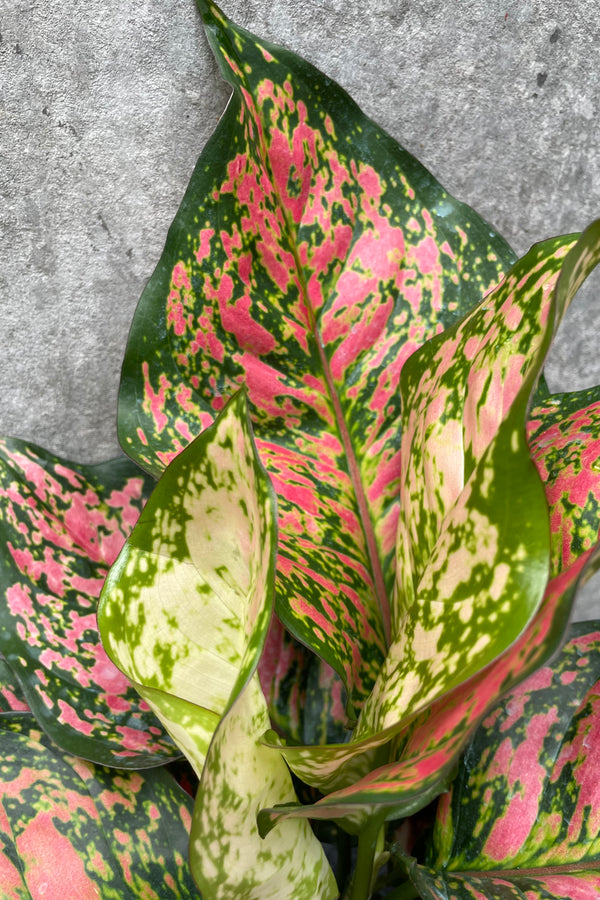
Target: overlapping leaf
304 695
471 568
69 828
428 749
184 613
311 256
523 817
63 525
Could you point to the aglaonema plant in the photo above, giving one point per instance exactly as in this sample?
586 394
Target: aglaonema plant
369 525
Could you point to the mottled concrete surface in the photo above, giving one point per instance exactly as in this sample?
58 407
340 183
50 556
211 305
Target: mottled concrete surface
104 108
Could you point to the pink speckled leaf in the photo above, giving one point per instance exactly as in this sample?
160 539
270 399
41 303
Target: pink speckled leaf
62 526
71 829
524 810
564 438
310 257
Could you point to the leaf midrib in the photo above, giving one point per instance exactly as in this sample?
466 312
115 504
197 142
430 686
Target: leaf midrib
535 872
353 468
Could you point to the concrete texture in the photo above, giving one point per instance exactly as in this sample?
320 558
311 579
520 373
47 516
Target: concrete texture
104 108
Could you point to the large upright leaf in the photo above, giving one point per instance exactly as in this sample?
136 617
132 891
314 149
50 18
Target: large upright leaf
184 613
71 829
310 257
522 819
62 526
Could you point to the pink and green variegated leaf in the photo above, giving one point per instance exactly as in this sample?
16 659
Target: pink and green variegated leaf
457 392
69 828
185 613
473 543
525 807
459 389
429 747
448 721
583 884
564 439
310 257
62 525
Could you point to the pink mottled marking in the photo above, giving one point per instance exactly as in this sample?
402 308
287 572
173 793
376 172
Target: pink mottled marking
134 739
525 777
74 479
13 701
203 251
41 846
70 717
154 401
308 612
19 601
427 256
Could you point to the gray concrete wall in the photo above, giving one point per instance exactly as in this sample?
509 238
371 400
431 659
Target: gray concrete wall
104 108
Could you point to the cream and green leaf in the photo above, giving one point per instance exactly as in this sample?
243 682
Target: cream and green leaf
184 613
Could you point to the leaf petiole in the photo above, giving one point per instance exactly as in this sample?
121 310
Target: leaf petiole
368 842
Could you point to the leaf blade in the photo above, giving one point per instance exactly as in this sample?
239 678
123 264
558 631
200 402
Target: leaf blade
268 299
185 612
116 833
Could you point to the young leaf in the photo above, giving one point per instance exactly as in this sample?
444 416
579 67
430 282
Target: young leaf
471 568
310 257
63 525
69 828
184 613
240 776
522 817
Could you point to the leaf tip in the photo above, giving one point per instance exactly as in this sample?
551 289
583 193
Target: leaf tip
266 820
